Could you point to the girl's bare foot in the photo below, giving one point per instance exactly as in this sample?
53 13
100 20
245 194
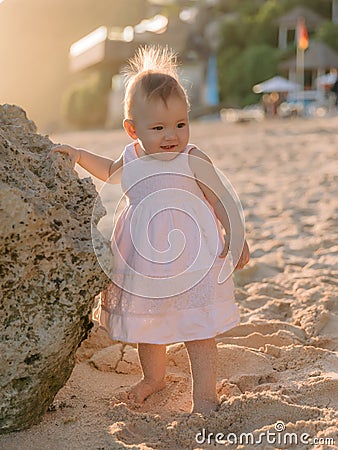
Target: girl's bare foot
152 358
141 390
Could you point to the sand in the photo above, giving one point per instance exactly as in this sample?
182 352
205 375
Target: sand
278 369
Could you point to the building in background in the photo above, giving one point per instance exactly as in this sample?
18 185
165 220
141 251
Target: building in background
42 75
35 37
287 25
37 69
319 58
187 27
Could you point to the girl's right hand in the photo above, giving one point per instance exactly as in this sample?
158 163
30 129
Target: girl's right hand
73 152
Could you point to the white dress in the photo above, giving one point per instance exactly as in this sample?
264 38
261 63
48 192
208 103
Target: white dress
165 247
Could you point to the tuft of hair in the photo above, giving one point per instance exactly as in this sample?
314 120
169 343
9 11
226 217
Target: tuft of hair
152 58
154 70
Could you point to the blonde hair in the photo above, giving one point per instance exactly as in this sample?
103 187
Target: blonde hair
153 72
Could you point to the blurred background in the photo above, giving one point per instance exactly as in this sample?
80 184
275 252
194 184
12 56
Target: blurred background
61 59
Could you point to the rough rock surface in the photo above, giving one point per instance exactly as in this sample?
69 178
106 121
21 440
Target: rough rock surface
49 271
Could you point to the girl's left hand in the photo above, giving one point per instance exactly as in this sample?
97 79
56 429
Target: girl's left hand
225 250
244 258
245 255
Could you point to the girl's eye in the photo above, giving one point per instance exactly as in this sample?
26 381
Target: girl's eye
181 125
158 128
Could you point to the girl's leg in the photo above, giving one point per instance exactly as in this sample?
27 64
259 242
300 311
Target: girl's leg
203 364
153 362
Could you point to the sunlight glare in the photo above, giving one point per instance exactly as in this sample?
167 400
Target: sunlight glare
98 35
157 24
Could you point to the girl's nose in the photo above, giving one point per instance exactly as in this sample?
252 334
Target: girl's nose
170 134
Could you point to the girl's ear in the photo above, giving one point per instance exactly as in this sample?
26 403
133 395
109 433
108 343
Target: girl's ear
130 128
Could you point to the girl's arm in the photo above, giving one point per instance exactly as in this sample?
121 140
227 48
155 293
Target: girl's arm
223 204
98 166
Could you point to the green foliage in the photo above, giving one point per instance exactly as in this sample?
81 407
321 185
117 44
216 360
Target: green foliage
226 6
244 7
225 61
264 27
251 7
248 53
234 34
321 7
239 71
86 102
328 33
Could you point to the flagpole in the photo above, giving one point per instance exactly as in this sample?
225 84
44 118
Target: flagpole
302 45
300 74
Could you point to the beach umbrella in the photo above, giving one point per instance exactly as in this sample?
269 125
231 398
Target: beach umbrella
327 79
276 84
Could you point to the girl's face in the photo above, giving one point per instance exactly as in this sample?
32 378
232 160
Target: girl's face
159 127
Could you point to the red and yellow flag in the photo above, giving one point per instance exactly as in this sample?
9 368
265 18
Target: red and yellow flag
302 36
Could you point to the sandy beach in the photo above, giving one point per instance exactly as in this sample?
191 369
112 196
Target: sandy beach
278 370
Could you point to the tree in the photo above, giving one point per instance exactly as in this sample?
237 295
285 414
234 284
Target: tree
328 33
240 71
86 102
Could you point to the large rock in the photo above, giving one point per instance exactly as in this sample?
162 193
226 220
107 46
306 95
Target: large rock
49 271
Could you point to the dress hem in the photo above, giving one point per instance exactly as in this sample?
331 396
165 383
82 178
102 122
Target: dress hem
199 338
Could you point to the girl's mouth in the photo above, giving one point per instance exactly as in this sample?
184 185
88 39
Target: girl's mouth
168 147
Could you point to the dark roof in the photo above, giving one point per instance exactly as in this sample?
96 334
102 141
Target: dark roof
317 56
312 19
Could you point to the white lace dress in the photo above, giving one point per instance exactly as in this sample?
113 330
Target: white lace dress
166 244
